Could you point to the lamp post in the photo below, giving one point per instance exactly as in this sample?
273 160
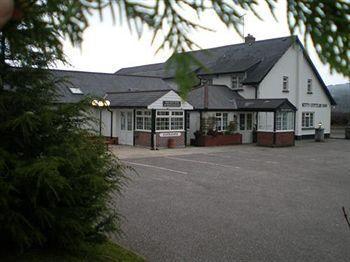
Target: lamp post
100 104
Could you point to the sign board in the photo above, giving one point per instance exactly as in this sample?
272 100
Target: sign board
170 134
171 103
313 105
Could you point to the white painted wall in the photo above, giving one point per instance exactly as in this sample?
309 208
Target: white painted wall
225 79
170 96
294 65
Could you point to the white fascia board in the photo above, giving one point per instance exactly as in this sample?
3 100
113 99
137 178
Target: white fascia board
170 96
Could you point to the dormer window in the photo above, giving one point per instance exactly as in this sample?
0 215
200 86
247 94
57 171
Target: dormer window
206 81
309 86
237 82
75 90
285 85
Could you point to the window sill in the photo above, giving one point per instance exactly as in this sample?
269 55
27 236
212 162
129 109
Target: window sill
307 128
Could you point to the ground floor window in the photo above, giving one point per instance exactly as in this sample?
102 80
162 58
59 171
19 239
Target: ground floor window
284 120
169 120
307 120
265 121
143 120
221 121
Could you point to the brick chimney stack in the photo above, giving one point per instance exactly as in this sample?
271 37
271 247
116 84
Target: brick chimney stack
249 39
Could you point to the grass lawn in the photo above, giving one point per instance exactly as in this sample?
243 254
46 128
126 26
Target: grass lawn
103 252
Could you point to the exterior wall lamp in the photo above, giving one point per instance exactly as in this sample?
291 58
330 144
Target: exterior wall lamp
101 104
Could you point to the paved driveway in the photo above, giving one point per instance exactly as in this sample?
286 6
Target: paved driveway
240 203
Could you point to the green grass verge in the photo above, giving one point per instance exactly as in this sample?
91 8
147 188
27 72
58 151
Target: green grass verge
102 252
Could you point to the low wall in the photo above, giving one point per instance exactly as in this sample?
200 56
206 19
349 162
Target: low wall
142 138
275 139
219 140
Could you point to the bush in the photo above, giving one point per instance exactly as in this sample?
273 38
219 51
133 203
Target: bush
55 180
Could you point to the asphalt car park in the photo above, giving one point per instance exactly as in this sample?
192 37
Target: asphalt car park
239 203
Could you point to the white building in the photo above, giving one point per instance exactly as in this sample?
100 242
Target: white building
269 87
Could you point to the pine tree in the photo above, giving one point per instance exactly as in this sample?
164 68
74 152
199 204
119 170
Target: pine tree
55 178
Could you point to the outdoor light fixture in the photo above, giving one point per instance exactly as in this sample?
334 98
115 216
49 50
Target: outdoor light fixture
100 104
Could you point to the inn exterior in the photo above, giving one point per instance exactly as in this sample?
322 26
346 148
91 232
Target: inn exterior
269 90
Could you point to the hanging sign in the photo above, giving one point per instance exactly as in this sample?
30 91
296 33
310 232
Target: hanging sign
171 103
170 134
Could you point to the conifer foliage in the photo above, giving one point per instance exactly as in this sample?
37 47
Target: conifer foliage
55 178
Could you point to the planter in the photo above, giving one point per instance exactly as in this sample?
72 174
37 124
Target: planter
171 143
219 140
112 141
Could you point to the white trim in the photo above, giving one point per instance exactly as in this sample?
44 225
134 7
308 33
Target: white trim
158 105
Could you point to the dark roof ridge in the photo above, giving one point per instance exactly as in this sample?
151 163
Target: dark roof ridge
141 91
158 77
79 71
258 41
138 66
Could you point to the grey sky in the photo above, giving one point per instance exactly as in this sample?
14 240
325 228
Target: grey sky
108 47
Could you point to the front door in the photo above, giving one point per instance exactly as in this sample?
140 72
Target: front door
126 128
246 127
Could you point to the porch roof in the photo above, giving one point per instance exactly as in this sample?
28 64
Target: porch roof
269 104
213 97
138 99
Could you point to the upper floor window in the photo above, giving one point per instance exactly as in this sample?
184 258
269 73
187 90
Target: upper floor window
307 120
285 86
309 86
237 82
206 81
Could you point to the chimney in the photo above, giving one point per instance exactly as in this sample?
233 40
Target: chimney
249 39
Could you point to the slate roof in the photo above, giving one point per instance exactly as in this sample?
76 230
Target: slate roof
264 104
220 97
138 99
256 59
98 84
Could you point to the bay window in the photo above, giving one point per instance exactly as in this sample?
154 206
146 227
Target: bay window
169 120
143 120
284 120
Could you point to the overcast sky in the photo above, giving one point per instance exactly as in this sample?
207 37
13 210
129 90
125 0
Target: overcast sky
108 47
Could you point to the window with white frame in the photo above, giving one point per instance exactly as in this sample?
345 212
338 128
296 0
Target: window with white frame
221 121
284 120
143 120
309 86
265 121
169 120
237 82
285 85
307 120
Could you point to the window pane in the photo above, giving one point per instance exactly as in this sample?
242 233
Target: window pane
177 123
241 121
162 113
129 115
177 113
249 121
224 121
139 123
278 121
122 120
147 123
162 123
